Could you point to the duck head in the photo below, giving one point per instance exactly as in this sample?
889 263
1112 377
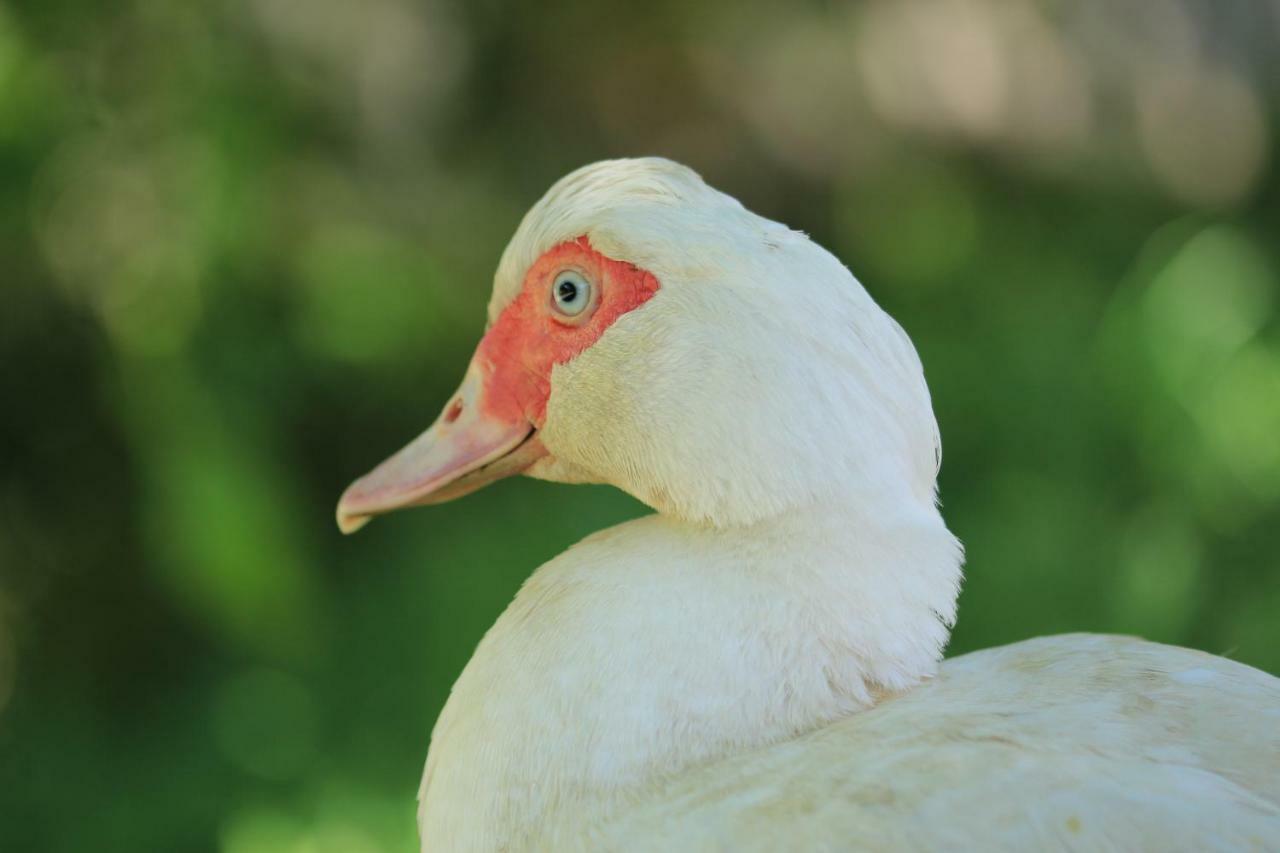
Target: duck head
648 331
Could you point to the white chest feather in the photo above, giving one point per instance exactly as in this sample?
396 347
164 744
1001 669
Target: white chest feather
657 646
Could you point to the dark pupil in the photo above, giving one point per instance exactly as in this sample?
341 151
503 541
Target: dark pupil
568 291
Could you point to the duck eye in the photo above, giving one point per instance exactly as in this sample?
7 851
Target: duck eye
570 293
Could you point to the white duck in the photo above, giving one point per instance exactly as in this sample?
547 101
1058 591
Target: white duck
756 667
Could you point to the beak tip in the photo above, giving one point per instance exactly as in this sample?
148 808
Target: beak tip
350 521
349 524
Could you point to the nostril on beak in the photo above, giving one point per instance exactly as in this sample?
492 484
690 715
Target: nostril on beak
451 414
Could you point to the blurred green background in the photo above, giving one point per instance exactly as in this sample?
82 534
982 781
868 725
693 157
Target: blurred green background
245 248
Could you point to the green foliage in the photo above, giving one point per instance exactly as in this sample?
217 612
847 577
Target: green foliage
245 249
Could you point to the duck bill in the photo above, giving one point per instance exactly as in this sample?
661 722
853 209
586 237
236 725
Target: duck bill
474 442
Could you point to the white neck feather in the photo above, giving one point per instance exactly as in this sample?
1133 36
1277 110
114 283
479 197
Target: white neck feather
658 644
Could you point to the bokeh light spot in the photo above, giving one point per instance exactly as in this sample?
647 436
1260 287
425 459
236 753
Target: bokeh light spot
1241 415
1210 298
1203 132
262 830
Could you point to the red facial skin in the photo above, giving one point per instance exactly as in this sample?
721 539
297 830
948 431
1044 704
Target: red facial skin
530 336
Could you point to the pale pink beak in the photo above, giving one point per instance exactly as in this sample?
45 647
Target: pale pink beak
467 447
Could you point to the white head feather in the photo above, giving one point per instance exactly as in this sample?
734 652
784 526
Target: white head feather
761 378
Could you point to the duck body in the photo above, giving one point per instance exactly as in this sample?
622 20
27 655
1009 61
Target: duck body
756 666
1073 742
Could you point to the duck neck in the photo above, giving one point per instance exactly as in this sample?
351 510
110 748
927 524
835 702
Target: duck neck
657 645
867 593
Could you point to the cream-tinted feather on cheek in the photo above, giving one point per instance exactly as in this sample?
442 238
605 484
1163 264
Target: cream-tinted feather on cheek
529 338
